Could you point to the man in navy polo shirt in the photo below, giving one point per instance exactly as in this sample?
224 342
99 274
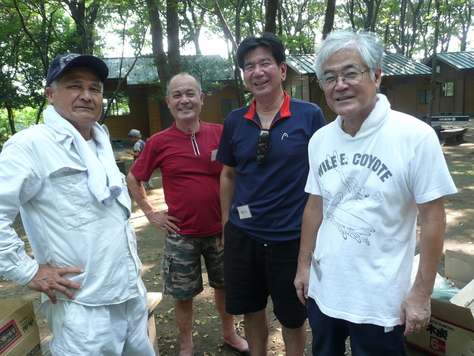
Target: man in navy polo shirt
264 149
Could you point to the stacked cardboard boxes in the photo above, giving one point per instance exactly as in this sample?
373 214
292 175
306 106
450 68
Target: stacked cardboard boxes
451 328
19 334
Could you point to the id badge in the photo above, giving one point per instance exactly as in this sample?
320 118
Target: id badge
244 212
213 155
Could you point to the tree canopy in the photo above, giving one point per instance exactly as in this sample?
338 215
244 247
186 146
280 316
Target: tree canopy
32 32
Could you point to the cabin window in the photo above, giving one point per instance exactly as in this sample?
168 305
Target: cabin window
447 89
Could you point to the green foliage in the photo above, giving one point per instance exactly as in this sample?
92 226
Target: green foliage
209 70
32 32
298 44
23 118
4 127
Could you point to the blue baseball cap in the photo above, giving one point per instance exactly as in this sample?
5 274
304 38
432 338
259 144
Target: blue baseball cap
66 61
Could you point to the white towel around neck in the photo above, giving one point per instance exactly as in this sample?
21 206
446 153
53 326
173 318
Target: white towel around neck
103 176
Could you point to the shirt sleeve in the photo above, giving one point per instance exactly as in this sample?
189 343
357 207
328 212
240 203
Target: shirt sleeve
149 159
225 152
18 183
312 183
429 184
137 147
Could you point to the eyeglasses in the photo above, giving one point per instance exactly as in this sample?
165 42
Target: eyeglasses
352 76
262 153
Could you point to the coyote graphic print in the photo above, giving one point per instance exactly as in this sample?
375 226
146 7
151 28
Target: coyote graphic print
338 208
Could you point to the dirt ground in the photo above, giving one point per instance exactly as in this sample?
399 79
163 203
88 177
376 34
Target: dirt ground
207 327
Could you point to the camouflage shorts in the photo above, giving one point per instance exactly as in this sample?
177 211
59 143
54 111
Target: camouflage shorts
181 265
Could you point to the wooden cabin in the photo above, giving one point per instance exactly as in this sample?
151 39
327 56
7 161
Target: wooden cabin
139 103
455 93
405 82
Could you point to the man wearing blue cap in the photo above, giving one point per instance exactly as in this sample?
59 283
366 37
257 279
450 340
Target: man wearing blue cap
62 177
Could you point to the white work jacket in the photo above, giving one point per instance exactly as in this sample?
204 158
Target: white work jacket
42 174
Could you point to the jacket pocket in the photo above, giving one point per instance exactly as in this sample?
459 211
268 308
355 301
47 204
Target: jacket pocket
77 206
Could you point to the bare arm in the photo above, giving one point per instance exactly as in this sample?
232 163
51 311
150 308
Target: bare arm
312 218
159 219
227 189
416 307
48 278
133 153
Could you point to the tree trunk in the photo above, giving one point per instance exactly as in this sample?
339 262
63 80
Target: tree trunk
173 36
465 27
231 39
84 19
271 15
329 18
11 119
160 60
157 43
433 67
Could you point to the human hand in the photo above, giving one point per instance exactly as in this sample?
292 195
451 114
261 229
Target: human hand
50 278
163 221
415 312
301 283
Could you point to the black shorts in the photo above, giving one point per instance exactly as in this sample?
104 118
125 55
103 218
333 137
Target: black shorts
253 271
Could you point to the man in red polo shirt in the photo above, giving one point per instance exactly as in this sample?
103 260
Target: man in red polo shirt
186 154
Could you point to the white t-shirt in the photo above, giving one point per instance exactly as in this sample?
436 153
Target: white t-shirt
371 184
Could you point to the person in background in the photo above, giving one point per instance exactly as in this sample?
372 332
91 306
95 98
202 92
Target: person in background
186 156
264 149
138 146
371 171
75 208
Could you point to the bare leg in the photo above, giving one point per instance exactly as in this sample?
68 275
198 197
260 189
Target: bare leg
229 334
184 311
295 340
256 331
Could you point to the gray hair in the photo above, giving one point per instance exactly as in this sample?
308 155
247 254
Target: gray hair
183 74
54 83
368 45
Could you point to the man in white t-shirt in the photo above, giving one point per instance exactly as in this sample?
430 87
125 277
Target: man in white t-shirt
372 171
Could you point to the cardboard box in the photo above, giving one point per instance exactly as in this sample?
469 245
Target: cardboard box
451 328
19 333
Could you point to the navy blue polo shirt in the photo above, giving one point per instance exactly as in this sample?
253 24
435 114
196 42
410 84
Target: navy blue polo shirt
274 192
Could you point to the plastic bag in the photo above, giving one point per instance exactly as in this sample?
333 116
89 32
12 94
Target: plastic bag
443 289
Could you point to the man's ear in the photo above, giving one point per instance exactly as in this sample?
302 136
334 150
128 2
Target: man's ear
378 78
283 69
49 94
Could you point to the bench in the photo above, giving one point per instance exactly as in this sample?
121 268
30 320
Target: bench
453 135
152 300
